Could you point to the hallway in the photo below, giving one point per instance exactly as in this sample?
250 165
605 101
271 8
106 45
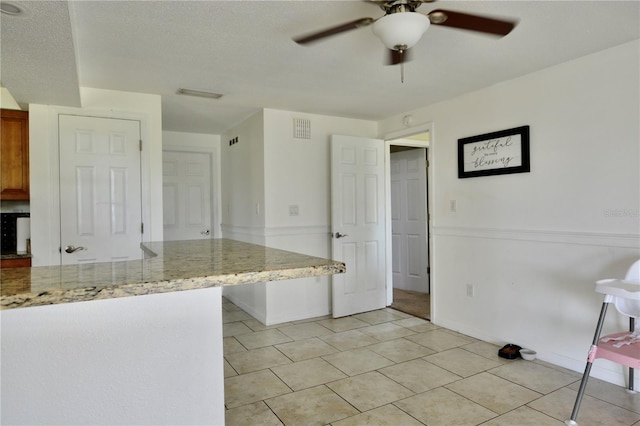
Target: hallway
412 302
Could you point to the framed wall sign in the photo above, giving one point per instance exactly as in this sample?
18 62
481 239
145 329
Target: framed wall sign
497 153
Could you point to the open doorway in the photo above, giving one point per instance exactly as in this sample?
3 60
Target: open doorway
409 224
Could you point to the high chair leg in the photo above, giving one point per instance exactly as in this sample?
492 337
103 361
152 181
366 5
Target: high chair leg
576 406
632 328
587 370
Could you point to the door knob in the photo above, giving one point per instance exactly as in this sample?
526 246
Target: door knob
72 249
339 235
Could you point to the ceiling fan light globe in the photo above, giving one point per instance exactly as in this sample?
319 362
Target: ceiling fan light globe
398 29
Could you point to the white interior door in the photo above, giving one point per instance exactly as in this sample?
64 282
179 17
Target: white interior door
409 220
358 224
186 195
100 192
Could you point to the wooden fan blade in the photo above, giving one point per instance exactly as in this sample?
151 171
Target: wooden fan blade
347 26
465 21
398 57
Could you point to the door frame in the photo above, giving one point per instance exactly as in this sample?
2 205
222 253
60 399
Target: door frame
214 168
388 138
54 164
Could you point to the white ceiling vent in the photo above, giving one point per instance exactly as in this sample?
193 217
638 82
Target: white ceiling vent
301 128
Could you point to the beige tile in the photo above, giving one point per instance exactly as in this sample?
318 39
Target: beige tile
338 325
256 414
534 376
230 307
400 350
370 390
460 335
252 387
442 407
398 313
381 416
234 329
305 330
313 319
347 340
357 361
439 340
577 375
228 370
494 393
611 393
314 406
233 316
259 339
386 331
593 412
256 325
419 375
231 346
380 316
307 374
306 349
524 416
461 362
418 325
257 359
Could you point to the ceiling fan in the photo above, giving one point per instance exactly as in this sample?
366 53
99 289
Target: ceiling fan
401 27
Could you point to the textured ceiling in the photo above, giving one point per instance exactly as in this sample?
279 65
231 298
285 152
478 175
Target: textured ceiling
243 49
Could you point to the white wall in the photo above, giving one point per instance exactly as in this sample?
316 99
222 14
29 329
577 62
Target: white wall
203 143
147 360
533 244
242 169
43 140
270 167
242 177
297 172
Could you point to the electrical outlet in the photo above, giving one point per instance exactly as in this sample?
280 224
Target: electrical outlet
470 290
294 210
453 206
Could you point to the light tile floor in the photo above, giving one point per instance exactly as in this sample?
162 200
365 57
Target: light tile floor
388 368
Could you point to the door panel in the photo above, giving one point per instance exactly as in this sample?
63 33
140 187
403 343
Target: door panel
409 222
357 214
100 191
186 195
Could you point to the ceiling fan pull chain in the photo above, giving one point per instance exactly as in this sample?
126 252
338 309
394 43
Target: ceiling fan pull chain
402 72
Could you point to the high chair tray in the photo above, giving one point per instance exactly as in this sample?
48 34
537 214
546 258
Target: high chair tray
620 288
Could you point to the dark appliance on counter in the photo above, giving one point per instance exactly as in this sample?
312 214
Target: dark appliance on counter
8 225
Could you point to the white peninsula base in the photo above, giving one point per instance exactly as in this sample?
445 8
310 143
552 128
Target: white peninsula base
148 360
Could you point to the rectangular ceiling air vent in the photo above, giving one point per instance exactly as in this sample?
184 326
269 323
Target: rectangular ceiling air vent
301 128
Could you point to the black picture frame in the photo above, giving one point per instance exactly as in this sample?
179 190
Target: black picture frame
496 153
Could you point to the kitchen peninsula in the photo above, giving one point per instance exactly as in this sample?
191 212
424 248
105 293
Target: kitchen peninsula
77 348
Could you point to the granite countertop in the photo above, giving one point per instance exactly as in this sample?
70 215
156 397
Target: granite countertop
172 266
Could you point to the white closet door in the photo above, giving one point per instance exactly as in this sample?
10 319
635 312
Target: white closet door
100 191
186 195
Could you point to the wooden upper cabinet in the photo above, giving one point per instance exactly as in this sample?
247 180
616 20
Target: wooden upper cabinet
14 155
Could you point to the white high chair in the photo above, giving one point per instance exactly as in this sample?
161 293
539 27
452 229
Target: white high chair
622 348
